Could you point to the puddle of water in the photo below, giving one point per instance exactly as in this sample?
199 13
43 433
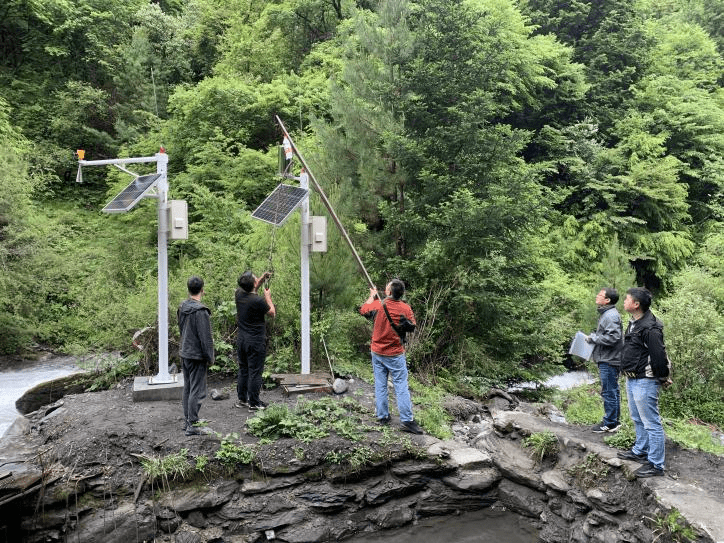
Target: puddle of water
471 527
14 383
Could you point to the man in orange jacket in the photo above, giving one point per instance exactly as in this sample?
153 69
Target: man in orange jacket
392 319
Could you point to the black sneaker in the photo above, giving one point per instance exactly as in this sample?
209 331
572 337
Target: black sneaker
192 431
648 470
630 455
384 420
411 426
603 428
241 403
257 406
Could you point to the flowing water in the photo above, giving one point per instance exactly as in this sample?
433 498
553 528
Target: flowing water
471 527
14 383
563 381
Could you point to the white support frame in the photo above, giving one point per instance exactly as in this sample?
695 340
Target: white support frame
161 160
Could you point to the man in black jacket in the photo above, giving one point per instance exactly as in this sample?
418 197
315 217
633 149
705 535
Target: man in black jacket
645 364
251 338
197 352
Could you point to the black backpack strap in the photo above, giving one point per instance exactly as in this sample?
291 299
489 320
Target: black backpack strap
394 326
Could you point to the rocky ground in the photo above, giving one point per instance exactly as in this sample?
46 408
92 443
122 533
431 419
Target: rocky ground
107 426
105 436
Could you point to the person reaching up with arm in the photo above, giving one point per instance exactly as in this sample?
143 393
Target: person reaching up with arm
251 338
392 319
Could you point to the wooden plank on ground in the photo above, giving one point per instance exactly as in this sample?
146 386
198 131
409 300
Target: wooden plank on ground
293 379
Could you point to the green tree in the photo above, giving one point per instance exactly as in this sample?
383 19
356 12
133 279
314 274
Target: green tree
609 38
421 136
17 239
694 333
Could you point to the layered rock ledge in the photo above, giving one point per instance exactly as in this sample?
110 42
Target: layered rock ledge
58 483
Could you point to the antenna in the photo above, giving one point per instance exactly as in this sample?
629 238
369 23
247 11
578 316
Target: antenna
155 100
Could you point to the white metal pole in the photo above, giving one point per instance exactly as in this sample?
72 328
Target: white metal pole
304 250
162 186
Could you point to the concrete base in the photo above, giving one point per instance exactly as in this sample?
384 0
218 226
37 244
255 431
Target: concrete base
145 392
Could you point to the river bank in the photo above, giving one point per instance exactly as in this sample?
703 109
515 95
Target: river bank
90 475
18 375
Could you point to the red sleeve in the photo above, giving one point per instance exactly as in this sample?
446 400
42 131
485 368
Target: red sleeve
366 309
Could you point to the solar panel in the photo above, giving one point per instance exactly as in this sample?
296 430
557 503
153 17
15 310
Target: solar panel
132 194
279 204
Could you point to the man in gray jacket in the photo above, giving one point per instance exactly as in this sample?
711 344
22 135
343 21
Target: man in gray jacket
608 341
197 352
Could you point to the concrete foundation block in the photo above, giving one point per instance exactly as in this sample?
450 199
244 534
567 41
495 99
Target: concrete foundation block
145 392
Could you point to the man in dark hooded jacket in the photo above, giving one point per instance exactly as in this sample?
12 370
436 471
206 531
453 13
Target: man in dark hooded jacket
197 352
645 364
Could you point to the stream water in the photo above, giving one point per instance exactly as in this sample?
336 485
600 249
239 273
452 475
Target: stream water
15 382
470 527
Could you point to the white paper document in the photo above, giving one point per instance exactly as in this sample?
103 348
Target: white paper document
580 347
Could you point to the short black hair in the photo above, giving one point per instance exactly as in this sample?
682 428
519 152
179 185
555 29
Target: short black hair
397 289
642 296
246 281
195 285
611 294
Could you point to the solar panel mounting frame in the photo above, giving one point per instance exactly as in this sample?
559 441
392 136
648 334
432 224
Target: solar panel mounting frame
280 204
132 194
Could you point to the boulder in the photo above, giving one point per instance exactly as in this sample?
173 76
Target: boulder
327 499
391 517
556 480
120 525
218 396
340 386
474 480
389 488
188 499
513 462
521 499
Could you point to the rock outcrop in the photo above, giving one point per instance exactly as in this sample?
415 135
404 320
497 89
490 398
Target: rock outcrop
583 493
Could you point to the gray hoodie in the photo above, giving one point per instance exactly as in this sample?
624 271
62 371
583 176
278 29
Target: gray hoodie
194 321
608 337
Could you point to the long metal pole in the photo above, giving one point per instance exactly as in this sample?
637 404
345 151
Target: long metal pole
304 264
163 375
114 161
326 202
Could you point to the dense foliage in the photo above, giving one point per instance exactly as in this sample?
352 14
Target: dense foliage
506 159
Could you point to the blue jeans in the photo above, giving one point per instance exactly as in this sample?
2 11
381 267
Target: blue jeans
609 393
643 404
395 367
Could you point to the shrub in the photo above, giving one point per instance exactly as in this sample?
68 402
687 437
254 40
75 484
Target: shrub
543 444
230 454
167 467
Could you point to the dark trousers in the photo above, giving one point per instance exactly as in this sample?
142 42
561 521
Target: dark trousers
194 388
251 356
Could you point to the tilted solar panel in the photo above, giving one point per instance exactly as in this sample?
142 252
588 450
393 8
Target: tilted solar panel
280 204
132 194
